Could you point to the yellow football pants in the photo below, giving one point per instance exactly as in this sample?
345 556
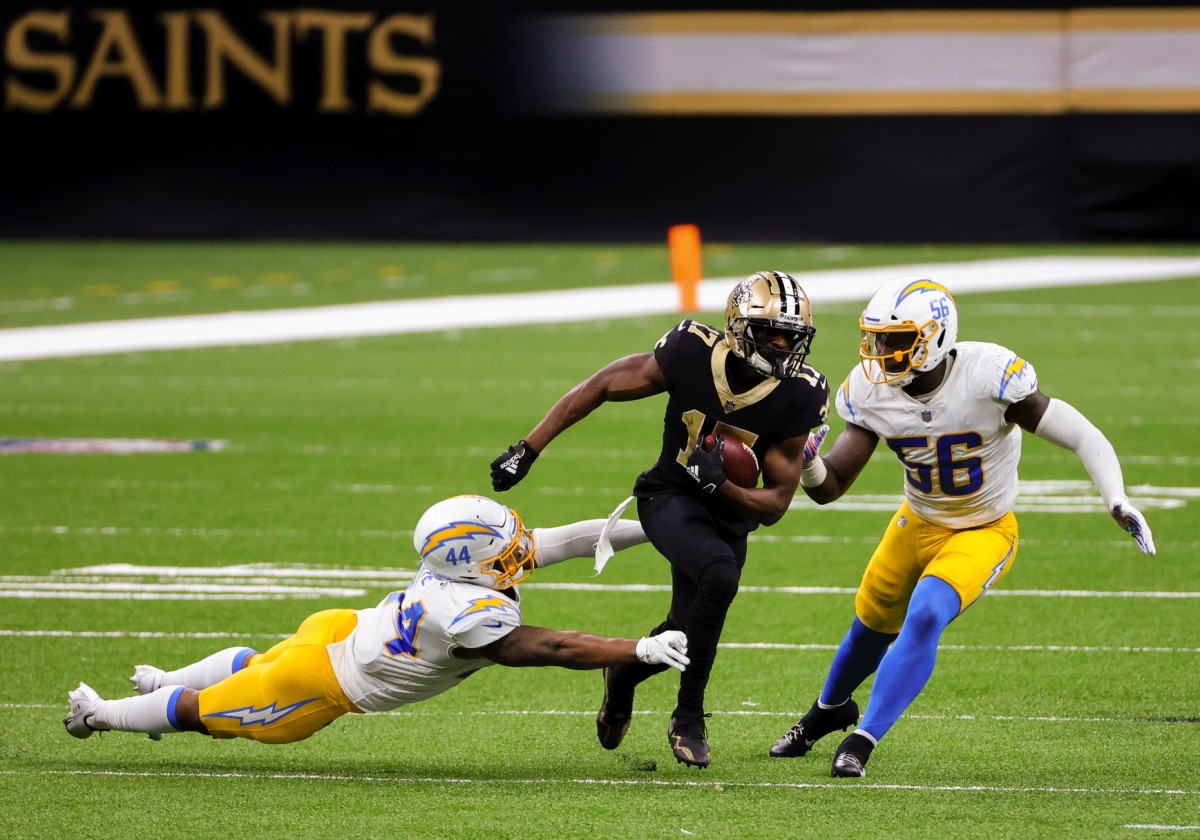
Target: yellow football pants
970 560
287 693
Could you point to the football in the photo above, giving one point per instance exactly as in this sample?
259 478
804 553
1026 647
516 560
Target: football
741 464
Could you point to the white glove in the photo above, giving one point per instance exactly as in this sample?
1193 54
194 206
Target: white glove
1131 519
812 446
667 648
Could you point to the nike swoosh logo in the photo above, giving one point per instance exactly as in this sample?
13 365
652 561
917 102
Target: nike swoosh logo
493 624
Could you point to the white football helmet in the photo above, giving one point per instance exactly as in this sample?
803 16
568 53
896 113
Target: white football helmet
908 307
769 300
477 540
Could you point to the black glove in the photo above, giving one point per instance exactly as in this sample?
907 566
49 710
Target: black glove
708 468
512 465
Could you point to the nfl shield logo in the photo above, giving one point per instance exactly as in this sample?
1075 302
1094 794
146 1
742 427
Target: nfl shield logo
729 406
926 416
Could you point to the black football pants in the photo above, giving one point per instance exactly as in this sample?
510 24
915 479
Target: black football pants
706 565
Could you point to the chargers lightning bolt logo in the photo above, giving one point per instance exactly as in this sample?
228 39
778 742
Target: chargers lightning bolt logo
248 715
486 605
1014 370
921 286
466 530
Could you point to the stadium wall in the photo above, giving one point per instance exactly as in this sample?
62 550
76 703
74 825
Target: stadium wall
558 121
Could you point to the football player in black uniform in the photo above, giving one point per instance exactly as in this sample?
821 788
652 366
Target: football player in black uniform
749 382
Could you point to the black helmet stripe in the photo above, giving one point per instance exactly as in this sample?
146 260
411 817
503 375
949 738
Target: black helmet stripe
789 303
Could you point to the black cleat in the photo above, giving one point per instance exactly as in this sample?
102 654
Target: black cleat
689 741
851 758
612 721
815 725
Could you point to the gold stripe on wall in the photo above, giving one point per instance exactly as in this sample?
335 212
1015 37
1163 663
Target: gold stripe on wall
1137 19
822 23
827 104
1139 99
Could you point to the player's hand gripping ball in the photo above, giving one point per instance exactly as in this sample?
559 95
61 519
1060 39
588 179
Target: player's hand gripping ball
741 464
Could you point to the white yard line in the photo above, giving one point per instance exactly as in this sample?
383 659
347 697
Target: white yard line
127 634
707 783
419 712
261 581
593 304
1151 827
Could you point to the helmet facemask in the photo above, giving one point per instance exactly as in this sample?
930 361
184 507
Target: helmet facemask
767 358
894 355
516 562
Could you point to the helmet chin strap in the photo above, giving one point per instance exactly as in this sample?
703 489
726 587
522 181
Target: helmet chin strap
760 364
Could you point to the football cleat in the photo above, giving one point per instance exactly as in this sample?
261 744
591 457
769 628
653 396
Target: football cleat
146 678
83 702
689 741
815 725
616 710
851 758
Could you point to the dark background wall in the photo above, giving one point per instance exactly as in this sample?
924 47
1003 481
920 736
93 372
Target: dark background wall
471 164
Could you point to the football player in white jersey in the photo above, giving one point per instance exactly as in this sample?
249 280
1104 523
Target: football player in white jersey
461 612
952 412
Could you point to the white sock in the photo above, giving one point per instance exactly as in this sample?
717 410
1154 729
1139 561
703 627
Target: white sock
149 713
868 736
210 670
578 539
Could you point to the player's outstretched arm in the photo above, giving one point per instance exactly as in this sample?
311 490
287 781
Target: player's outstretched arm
579 539
827 479
628 378
1063 425
529 646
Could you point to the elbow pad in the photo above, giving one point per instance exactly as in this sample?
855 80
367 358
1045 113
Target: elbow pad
1064 426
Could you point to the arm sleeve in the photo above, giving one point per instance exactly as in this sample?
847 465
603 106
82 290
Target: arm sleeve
1064 426
578 539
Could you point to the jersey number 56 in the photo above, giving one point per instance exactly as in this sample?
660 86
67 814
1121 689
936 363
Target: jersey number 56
956 475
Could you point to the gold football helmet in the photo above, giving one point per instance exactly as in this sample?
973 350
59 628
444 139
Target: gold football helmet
762 307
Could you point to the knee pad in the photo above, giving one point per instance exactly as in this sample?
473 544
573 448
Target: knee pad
719 581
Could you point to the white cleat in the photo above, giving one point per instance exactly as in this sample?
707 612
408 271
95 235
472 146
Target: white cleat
146 678
83 702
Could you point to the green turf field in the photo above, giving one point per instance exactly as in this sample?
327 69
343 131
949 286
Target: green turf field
1066 703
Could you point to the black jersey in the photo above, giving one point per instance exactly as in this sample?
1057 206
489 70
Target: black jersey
696 361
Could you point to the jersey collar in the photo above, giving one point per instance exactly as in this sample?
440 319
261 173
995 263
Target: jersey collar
730 401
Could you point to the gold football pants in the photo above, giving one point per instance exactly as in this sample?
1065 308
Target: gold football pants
287 693
970 560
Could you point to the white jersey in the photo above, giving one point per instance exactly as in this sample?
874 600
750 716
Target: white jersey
960 454
401 652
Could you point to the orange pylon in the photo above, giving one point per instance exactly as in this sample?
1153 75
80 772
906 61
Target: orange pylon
683 241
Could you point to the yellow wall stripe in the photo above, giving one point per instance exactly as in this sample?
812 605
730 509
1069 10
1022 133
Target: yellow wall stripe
826 104
1167 19
822 23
